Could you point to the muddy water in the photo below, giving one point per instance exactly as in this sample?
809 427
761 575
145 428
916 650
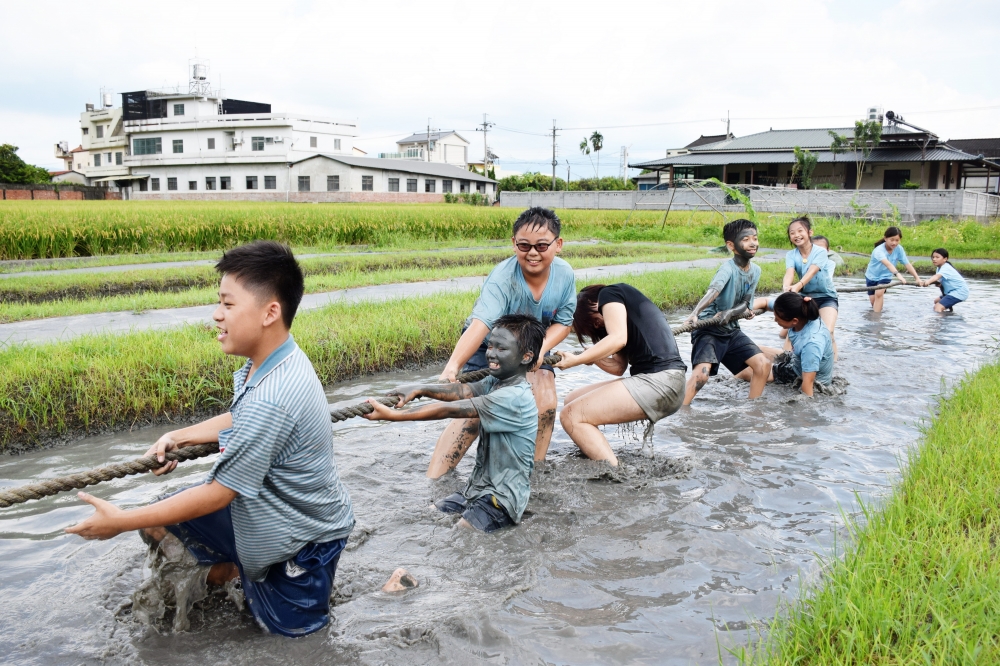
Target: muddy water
667 562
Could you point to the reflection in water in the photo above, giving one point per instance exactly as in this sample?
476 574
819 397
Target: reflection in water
655 562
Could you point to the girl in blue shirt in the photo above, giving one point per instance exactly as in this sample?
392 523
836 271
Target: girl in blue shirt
810 263
812 348
882 268
953 286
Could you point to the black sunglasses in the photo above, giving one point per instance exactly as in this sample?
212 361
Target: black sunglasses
525 246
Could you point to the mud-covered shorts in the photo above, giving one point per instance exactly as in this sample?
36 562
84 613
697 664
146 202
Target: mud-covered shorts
785 369
715 346
659 394
484 513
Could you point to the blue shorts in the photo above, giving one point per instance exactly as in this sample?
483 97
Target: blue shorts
483 513
294 598
825 301
479 362
948 301
875 283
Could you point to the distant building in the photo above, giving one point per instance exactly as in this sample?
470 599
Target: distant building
650 180
976 177
445 146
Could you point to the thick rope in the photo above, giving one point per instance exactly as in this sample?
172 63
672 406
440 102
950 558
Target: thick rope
10 496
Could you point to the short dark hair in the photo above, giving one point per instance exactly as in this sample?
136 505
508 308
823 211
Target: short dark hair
536 216
817 238
583 317
732 230
528 331
268 269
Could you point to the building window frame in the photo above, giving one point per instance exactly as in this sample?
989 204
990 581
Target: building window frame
97 159
211 144
118 159
314 142
192 184
446 186
394 184
336 144
210 182
257 143
429 185
251 182
154 184
411 184
178 146
100 131
225 183
171 184
148 146
367 183
333 183
270 182
178 109
304 184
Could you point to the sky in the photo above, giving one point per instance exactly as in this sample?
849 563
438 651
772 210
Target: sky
648 76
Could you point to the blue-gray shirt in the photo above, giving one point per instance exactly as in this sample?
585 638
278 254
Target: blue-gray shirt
505 292
821 284
877 270
813 350
508 423
953 283
278 457
735 286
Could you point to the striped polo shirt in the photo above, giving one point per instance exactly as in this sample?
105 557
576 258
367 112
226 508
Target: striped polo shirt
278 457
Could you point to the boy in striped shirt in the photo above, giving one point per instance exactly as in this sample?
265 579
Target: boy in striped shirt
273 510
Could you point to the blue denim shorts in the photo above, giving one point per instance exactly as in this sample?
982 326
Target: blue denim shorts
826 301
483 513
948 301
875 283
294 598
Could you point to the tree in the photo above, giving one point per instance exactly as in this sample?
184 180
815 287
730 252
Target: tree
597 142
15 170
867 135
805 164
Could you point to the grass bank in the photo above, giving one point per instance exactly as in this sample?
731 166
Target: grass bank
36 297
97 382
37 229
920 583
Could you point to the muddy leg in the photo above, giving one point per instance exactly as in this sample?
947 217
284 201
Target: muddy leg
452 445
698 379
543 385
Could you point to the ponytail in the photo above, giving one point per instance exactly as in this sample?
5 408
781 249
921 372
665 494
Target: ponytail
889 233
791 305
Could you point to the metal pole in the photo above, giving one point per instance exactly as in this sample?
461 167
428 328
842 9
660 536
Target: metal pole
554 155
428 139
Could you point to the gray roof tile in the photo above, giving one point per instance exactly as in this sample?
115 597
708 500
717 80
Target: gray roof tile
438 169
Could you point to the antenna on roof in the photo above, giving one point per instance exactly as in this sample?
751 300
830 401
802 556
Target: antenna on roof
726 120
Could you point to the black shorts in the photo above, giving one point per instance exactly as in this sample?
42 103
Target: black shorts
826 301
785 370
478 360
875 283
712 345
483 513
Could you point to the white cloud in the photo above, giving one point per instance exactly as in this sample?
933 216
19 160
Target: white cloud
392 65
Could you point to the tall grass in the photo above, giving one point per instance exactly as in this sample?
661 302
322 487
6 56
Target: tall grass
110 381
66 229
920 583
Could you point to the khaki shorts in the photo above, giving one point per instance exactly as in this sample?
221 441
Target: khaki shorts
659 394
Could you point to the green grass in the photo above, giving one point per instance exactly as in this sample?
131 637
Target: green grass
97 382
71 229
35 297
920 583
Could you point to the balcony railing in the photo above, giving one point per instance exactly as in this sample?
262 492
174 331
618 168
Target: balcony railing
408 154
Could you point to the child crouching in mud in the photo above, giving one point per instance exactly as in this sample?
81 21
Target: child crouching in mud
498 489
272 510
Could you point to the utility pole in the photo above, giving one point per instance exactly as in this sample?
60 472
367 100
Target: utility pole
428 139
554 162
567 175
726 120
485 128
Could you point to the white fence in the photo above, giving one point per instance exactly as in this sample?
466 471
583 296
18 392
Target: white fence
912 205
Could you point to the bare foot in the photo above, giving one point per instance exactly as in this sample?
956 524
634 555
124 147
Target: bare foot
222 573
400 581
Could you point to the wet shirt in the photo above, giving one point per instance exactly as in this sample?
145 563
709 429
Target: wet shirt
505 292
278 457
651 346
735 286
508 423
813 350
877 270
953 283
821 284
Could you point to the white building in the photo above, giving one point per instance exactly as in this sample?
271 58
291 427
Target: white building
444 146
103 148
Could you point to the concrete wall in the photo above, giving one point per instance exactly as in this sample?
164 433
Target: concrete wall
913 205
17 192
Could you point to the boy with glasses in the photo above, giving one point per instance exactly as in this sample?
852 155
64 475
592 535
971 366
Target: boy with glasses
534 281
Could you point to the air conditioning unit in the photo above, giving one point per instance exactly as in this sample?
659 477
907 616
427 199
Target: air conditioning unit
279 139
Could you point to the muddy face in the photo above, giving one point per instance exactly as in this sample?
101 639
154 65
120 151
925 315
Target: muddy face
504 356
745 247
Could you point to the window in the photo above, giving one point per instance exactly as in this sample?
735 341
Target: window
257 143
147 146
367 183
107 158
251 182
171 183
333 183
178 145
312 142
143 185
429 184
463 186
336 144
97 160
394 184
481 188
100 131
270 182
178 109
211 144
411 184
86 131
269 139
192 184
446 186
225 183
894 179
118 159
210 183
155 183
303 183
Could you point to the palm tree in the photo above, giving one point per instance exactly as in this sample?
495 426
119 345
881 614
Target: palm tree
597 141
585 150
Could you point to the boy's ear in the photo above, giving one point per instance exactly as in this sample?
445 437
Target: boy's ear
528 358
732 246
272 314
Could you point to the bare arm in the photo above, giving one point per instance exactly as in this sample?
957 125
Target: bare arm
616 324
108 520
464 349
200 433
445 392
613 365
913 271
786 281
808 381
554 334
892 268
705 301
810 274
462 409
931 280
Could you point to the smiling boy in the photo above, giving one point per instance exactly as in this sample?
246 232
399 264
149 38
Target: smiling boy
272 510
504 409
534 281
734 283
